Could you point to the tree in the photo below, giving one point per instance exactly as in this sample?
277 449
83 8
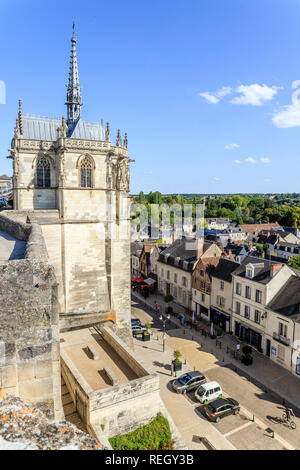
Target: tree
294 262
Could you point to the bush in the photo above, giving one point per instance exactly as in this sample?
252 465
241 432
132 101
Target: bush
153 436
168 298
247 350
247 359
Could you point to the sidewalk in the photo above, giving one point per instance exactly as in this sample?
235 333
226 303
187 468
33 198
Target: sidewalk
264 372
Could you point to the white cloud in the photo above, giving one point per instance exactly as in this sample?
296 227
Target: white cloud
255 94
217 179
265 160
148 172
215 97
238 162
267 180
232 146
289 116
209 97
250 160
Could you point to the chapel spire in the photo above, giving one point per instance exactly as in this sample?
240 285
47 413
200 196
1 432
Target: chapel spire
74 101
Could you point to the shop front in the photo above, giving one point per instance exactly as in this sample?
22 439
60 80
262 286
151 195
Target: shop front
220 319
248 335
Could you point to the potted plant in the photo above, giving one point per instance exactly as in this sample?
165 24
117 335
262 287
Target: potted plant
168 298
146 334
247 358
177 364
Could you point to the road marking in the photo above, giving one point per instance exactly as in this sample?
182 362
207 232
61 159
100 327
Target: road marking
238 429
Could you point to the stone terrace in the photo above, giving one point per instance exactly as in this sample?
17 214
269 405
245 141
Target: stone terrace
75 345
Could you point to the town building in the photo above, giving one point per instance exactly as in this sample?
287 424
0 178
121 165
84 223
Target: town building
221 223
255 283
221 294
176 265
136 248
283 326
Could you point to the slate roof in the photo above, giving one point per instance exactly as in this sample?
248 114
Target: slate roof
237 249
287 300
225 269
44 128
181 254
136 248
262 269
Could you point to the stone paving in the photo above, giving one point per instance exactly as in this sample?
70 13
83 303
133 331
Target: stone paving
200 353
10 247
264 370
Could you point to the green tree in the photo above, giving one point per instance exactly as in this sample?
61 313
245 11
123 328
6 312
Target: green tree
294 262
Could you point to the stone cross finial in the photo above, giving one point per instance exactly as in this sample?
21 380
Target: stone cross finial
107 132
119 139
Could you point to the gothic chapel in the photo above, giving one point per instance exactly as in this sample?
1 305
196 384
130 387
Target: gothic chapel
70 179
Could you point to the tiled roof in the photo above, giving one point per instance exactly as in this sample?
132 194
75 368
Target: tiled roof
251 228
287 300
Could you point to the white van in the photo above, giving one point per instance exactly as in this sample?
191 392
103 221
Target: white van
208 392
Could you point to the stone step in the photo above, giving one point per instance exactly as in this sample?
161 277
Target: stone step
66 399
69 409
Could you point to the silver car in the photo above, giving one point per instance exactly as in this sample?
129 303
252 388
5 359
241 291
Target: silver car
188 381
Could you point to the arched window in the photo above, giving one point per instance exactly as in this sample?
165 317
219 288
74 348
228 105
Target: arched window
86 167
43 173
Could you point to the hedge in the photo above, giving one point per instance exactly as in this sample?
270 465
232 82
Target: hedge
155 435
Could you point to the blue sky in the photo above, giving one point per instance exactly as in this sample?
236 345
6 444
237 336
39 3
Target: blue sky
184 79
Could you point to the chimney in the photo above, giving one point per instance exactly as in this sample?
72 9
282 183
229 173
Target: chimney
274 268
199 247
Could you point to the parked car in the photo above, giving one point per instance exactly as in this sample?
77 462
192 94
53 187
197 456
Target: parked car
188 381
138 330
135 321
220 408
208 391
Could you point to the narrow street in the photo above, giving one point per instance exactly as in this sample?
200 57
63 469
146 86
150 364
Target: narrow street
233 432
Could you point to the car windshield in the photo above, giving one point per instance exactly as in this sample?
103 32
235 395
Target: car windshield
184 379
201 391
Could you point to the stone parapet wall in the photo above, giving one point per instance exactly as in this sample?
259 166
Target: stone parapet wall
29 319
14 227
127 354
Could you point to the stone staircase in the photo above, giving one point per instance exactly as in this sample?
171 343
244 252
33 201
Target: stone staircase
70 412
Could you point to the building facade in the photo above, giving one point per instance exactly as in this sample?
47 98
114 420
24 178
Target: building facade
255 283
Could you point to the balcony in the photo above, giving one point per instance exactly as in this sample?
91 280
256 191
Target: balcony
281 339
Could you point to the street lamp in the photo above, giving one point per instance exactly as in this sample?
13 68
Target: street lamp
164 320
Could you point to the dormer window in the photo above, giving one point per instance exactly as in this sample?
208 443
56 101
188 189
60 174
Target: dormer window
250 271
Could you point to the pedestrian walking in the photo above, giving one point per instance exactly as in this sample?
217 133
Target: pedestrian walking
238 347
182 320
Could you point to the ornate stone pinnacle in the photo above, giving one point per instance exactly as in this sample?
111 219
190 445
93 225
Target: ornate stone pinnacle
119 139
125 145
107 132
20 118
